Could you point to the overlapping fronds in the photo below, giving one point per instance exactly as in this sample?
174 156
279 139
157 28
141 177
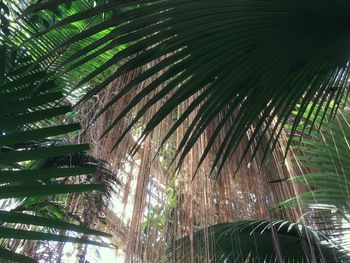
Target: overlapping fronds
248 65
256 241
324 159
28 106
249 62
326 155
25 29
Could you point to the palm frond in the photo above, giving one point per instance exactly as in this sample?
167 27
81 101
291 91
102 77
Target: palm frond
254 62
28 106
256 241
15 257
325 154
324 160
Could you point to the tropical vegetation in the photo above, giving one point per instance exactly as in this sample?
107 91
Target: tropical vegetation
174 131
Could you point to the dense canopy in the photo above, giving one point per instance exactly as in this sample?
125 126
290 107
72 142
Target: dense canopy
174 131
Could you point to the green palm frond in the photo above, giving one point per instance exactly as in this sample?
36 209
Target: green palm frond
15 257
27 28
326 155
256 241
4 23
28 106
324 158
251 61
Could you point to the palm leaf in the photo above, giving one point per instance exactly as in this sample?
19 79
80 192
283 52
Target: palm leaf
28 105
324 158
256 241
34 235
15 257
243 55
18 218
326 155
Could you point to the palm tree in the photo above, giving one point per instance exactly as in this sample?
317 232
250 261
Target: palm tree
241 67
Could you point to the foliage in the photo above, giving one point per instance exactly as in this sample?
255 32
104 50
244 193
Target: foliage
28 106
324 159
256 241
246 63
